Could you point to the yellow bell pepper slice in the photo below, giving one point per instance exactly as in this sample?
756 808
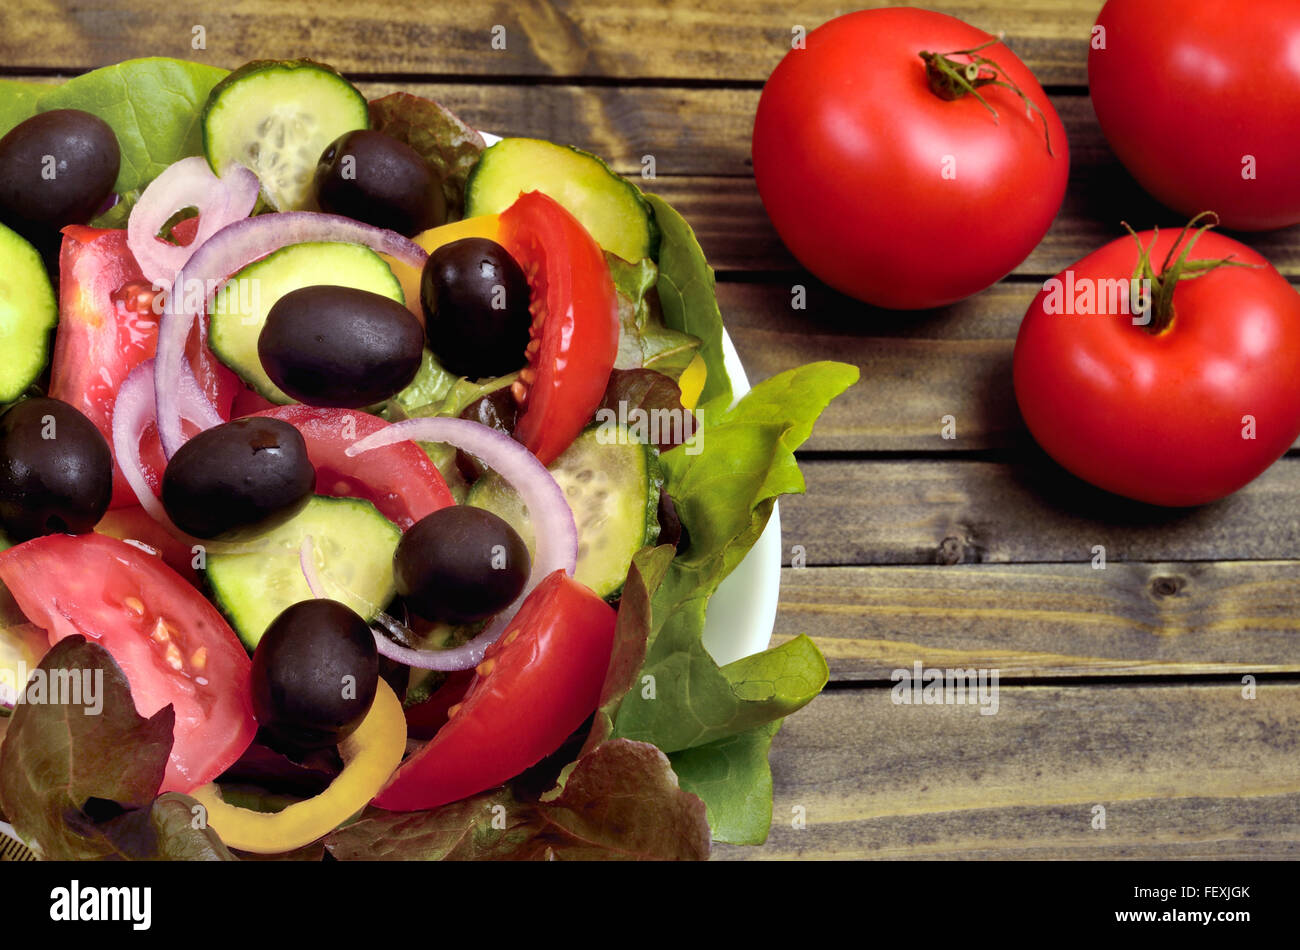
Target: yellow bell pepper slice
370 755
692 382
483 225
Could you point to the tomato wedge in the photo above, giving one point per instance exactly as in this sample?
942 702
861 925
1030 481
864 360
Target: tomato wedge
137 525
423 720
399 480
173 646
535 686
107 327
575 323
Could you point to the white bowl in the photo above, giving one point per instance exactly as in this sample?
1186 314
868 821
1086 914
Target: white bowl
743 611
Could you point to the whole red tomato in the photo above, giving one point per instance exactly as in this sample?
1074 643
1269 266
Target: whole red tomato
1200 101
889 191
1183 410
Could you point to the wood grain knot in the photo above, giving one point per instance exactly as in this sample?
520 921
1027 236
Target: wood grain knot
1164 586
964 546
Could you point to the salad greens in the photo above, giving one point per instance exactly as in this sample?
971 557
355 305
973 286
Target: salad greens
437 134
687 296
620 801
152 105
645 341
67 785
734 780
663 689
18 101
748 460
677 751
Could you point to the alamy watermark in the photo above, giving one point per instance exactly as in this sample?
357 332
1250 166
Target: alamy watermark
649 426
58 687
133 905
920 686
242 296
1088 297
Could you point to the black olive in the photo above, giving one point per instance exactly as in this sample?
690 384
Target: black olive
372 177
56 470
460 564
340 346
497 410
239 478
475 300
56 168
315 674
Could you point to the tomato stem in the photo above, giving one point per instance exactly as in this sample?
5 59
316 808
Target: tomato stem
1162 284
950 80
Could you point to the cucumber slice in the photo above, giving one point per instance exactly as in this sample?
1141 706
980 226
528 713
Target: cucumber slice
609 206
612 485
239 309
276 118
28 313
354 546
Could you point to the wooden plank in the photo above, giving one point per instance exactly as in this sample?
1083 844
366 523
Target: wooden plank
916 368
1047 620
1182 771
672 39
868 512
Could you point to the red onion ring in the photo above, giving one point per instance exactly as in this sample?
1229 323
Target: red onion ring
185 184
132 413
307 561
554 527
228 251
464 657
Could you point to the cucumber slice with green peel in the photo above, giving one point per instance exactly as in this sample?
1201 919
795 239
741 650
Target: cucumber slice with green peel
28 312
354 547
612 484
609 206
276 117
239 309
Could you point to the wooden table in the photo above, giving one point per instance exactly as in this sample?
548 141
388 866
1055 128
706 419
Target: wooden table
1119 687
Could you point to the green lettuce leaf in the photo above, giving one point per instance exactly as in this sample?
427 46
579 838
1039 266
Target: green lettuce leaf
724 496
621 801
153 105
430 385
733 778
644 342
442 139
18 101
631 631
436 391
686 294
